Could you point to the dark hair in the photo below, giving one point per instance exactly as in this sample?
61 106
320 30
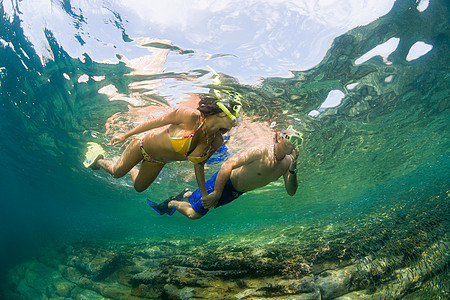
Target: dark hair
207 105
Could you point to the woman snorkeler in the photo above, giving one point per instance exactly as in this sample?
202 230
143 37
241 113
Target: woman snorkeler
192 134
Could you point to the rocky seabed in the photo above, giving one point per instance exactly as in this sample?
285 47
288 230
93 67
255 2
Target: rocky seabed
221 269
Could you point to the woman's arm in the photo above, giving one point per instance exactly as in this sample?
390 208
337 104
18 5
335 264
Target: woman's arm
200 168
174 116
200 176
290 177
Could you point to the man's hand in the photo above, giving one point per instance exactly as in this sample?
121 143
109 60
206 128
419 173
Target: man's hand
118 139
211 200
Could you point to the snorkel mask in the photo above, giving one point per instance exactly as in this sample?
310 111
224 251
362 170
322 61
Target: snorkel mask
231 108
231 103
294 137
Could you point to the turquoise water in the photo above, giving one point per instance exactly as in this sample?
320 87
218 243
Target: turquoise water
379 152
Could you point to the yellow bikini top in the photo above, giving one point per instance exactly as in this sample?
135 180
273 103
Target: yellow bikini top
183 144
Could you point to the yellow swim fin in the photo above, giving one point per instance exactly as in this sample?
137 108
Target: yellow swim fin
94 153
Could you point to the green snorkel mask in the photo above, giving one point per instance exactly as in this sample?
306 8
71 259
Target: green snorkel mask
231 103
294 137
231 109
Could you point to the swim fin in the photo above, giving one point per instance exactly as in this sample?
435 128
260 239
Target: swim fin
162 208
181 195
93 154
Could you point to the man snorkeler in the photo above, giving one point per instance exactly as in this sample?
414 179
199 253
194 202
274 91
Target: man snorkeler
249 169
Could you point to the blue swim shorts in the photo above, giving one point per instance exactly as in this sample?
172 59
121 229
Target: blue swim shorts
228 195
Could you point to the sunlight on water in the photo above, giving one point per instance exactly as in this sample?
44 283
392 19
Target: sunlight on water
249 40
417 50
423 4
383 50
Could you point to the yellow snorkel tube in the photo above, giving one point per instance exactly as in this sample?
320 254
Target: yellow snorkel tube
236 109
231 104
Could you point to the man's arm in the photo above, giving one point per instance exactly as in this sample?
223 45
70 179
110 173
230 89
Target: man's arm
238 160
290 177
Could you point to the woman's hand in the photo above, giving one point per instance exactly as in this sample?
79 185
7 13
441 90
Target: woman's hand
118 139
211 200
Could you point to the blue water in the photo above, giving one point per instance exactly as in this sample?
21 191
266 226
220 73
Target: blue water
384 148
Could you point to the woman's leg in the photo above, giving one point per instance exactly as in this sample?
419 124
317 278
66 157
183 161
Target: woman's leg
129 158
127 162
146 175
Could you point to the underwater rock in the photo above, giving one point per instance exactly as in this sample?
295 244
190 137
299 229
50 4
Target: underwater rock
335 283
94 263
248 268
63 288
255 267
387 256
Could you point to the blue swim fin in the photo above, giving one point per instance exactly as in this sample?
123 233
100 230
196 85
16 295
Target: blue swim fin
161 208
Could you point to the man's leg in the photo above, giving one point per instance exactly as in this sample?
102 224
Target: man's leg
185 208
179 203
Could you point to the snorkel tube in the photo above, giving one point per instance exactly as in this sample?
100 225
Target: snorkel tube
230 102
236 109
